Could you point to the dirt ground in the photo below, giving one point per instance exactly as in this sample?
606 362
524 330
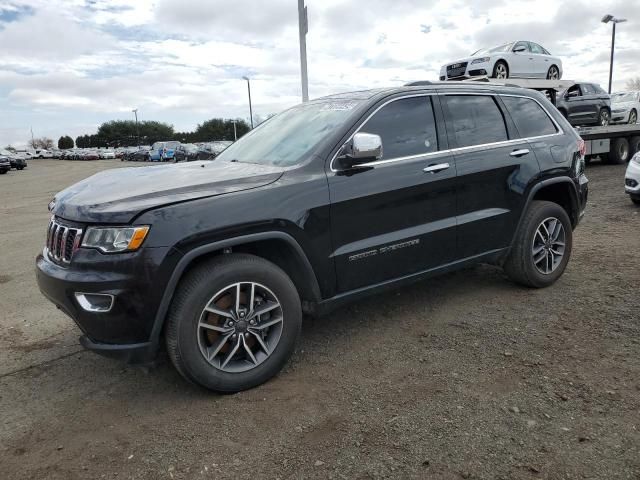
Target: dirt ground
463 376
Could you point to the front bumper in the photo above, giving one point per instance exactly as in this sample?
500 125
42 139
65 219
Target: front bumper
632 179
620 117
136 281
471 71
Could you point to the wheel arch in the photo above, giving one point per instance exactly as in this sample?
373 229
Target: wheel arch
560 190
278 247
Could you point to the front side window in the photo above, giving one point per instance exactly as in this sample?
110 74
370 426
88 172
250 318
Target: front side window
476 120
530 118
598 89
407 127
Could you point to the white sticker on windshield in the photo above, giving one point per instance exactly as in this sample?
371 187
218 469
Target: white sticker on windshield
337 106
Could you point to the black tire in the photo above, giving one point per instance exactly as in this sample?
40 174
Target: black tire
619 152
604 117
635 200
519 265
193 294
633 117
496 68
19 168
550 72
2 172
634 145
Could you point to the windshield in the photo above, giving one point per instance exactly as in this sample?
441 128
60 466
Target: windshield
288 137
5 152
624 97
157 145
501 48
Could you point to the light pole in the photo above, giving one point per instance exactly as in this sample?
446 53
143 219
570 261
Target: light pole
250 108
606 19
235 132
303 28
135 112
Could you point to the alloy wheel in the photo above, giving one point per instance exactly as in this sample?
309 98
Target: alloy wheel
633 117
240 327
548 245
501 71
553 74
604 118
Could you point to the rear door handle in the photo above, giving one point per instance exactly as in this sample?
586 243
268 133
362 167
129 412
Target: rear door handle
520 153
438 167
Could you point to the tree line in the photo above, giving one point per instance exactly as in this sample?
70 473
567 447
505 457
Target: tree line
125 133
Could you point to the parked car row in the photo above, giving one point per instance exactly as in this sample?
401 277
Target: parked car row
9 160
173 151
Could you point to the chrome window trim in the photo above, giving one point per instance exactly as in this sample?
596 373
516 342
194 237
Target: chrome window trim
481 146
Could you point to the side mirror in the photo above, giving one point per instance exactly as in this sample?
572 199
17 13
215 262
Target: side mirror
519 49
362 148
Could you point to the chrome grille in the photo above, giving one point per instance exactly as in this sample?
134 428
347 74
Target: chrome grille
456 70
62 241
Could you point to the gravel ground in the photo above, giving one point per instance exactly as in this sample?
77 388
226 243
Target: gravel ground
463 376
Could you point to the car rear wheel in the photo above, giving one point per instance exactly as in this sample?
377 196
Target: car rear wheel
619 152
500 70
233 323
633 117
542 246
604 117
553 73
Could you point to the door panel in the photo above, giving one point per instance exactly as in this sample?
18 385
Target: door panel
491 185
520 63
392 218
493 169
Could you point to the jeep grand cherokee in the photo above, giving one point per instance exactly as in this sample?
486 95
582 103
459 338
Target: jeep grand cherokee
331 200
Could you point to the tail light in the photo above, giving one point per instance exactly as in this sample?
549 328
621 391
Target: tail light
582 147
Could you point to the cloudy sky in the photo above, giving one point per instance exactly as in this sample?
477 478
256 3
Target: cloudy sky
68 65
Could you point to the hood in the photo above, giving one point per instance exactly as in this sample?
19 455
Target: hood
118 195
623 105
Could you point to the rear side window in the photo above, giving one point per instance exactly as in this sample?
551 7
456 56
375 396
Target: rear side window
406 127
476 120
535 48
598 89
587 89
530 118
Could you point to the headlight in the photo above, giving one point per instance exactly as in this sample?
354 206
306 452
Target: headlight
636 158
115 239
481 60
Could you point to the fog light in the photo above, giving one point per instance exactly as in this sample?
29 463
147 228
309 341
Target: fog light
95 302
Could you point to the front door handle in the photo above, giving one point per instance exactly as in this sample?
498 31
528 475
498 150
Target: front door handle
520 153
438 167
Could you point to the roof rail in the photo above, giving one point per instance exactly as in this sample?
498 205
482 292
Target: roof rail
418 83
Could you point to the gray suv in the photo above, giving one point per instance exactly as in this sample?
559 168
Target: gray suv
585 104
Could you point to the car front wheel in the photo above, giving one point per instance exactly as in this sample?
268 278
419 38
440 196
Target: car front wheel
633 117
233 323
542 246
500 70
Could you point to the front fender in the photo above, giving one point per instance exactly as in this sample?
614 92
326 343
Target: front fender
202 250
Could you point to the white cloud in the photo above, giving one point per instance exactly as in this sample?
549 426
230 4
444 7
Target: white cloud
69 65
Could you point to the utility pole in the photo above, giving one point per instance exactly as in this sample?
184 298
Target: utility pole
235 133
250 107
33 142
303 28
135 112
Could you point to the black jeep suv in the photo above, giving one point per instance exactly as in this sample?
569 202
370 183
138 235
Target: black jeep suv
331 200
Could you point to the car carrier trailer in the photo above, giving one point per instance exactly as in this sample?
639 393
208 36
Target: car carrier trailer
613 143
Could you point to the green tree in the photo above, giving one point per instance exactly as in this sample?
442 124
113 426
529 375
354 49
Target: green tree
219 129
65 142
122 133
